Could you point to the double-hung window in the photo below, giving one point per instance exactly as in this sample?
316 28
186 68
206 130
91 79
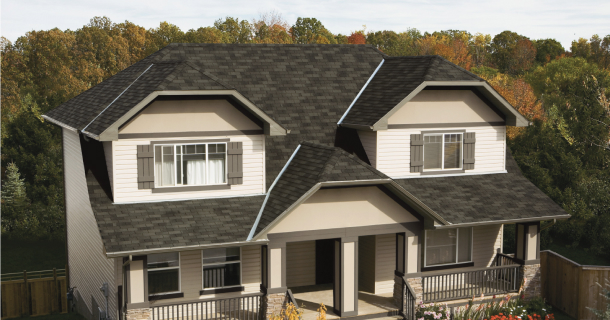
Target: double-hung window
221 267
448 246
190 164
443 151
163 273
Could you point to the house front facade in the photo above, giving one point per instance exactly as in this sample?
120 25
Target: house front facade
216 180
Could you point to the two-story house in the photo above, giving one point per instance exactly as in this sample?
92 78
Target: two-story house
212 180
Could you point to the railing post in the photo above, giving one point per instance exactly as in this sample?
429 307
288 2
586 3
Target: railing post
26 296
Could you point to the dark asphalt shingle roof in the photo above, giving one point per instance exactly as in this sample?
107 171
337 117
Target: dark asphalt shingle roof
125 227
397 77
485 197
313 163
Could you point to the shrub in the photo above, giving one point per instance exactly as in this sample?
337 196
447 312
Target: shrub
432 311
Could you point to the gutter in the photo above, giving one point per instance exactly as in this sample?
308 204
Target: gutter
119 254
260 213
57 123
474 224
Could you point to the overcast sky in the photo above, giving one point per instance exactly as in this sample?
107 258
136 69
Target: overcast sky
561 20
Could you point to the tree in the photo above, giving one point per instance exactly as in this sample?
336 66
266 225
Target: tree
357 37
271 28
160 37
581 48
234 31
136 40
512 53
204 35
310 30
522 57
600 51
480 49
547 50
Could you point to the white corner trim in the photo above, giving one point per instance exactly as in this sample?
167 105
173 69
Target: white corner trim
449 175
260 213
359 93
115 99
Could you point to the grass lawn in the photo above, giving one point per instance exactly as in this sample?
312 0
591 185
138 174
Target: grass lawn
63 316
579 255
19 255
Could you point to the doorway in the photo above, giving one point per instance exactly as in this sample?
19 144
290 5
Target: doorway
325 261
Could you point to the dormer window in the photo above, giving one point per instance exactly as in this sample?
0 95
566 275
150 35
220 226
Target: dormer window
443 151
190 164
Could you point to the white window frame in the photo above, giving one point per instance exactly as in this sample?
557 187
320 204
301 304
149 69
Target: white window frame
179 267
241 269
442 134
457 235
176 185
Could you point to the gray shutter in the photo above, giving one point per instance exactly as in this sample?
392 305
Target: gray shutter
417 153
469 141
146 167
235 162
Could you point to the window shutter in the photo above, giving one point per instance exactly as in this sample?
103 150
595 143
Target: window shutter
235 162
469 140
417 153
146 167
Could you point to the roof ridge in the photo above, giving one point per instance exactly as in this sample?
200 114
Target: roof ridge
209 75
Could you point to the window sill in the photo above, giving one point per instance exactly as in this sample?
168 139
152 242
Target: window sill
425 173
161 296
448 266
221 290
191 188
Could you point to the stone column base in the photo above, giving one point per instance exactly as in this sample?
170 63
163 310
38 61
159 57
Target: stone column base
138 314
532 287
416 285
274 303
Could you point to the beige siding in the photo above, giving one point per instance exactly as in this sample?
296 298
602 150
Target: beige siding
190 273
89 267
366 264
385 263
251 268
393 150
125 172
369 142
300 263
108 156
486 242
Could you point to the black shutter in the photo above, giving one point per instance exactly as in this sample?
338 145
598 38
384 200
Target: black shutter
417 153
146 167
235 162
469 141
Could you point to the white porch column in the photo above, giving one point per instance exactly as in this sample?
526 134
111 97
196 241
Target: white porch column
277 267
349 276
136 282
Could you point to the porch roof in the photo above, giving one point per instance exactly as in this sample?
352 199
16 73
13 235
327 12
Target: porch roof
484 198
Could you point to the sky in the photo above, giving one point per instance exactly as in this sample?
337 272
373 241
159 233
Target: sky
537 19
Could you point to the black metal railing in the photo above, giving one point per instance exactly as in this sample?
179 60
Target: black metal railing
290 298
505 260
407 309
243 308
465 284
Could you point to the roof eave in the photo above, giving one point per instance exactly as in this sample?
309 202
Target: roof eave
508 221
118 254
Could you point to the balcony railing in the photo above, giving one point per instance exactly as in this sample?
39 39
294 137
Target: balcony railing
472 282
504 260
407 309
243 308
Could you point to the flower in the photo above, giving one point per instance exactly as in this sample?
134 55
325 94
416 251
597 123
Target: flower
494 296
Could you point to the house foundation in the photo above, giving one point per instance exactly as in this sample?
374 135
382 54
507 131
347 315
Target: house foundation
532 287
138 314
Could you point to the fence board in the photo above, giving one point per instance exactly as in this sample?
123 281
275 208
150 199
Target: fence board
41 296
572 287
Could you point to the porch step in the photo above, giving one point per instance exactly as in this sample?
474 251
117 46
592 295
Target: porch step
388 315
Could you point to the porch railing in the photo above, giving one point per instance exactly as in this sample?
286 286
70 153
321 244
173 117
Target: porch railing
243 308
465 284
505 260
407 309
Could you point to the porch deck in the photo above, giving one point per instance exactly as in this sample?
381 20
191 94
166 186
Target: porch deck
310 297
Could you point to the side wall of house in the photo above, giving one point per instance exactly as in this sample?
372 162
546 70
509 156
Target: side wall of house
369 142
88 266
394 149
385 259
300 263
486 240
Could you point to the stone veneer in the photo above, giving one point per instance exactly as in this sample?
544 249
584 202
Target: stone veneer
275 303
416 285
138 314
533 286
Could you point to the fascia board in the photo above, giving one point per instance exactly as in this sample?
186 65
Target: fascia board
357 126
118 254
112 132
514 117
510 221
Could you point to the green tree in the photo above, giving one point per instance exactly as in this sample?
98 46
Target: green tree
310 30
160 37
547 50
234 31
512 53
204 35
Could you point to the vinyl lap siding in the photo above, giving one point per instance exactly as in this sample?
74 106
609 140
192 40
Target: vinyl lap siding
369 142
385 257
125 172
300 263
251 268
393 150
486 242
89 267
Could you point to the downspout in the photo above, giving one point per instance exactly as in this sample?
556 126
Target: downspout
260 213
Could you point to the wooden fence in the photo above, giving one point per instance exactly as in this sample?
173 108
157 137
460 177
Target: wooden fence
34 293
572 287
